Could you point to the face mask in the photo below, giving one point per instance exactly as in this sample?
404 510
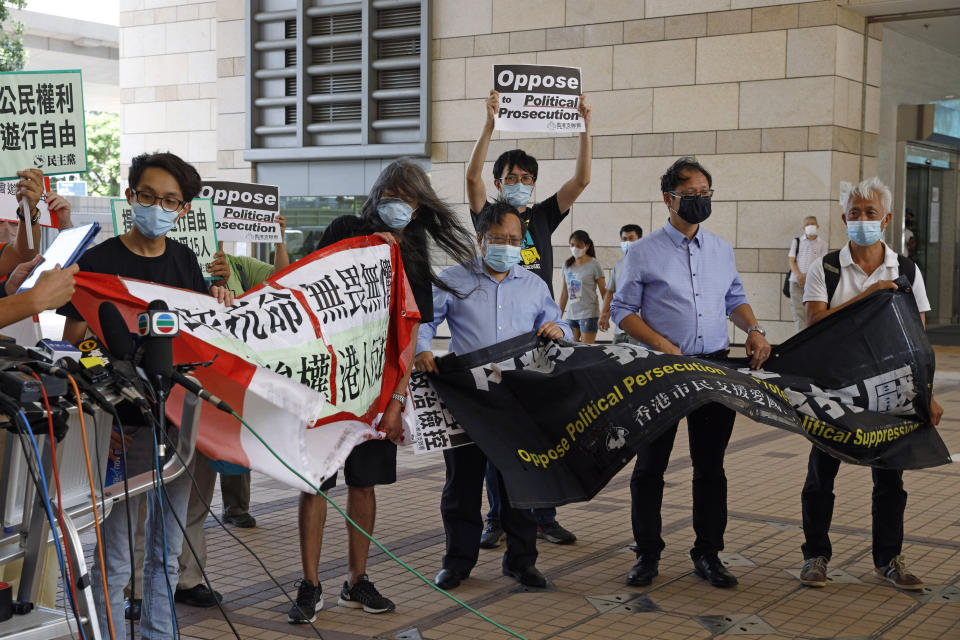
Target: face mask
811 229
577 252
396 214
626 244
502 257
517 195
694 210
153 221
864 232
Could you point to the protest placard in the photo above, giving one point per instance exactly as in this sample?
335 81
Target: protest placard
196 229
9 206
536 97
243 211
42 123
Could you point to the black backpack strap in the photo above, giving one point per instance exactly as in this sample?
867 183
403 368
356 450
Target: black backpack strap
907 268
244 284
831 273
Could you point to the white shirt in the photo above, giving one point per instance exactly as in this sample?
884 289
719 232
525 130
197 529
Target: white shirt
809 251
854 281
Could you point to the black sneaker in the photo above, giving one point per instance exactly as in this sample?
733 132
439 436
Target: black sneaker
131 609
364 595
309 601
198 596
492 535
553 532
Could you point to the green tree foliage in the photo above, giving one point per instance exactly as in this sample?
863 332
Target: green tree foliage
12 55
103 154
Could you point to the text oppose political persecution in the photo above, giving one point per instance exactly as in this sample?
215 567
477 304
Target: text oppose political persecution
536 97
309 358
560 419
244 212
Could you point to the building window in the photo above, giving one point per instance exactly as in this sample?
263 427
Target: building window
330 79
307 217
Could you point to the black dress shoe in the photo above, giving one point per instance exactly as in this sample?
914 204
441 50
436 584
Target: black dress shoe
527 576
242 520
712 570
450 578
642 573
198 596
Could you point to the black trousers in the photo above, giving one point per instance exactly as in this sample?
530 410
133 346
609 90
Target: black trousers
889 503
709 429
461 505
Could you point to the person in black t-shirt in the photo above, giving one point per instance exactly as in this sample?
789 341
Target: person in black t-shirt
514 177
402 208
161 188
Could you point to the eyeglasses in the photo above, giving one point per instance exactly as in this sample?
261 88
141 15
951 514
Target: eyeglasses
690 195
526 179
515 242
167 203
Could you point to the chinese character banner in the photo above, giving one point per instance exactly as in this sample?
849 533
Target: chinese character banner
42 123
561 419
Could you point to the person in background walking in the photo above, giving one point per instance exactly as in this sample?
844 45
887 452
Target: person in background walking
582 278
630 234
803 251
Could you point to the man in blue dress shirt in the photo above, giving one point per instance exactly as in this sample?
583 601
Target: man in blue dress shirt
677 289
501 300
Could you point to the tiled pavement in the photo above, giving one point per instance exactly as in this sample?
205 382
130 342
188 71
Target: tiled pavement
589 599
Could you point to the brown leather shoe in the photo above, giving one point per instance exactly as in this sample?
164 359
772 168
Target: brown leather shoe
896 574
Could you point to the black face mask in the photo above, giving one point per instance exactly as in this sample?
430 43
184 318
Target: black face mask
694 210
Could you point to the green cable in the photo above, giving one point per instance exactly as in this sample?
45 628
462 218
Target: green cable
371 538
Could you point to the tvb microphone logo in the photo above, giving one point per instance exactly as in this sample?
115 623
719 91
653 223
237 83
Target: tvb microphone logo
158 324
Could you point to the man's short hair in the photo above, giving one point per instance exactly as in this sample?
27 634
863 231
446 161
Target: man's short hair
515 158
870 189
674 175
183 172
493 214
627 228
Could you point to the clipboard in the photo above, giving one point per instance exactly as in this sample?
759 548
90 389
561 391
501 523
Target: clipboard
65 250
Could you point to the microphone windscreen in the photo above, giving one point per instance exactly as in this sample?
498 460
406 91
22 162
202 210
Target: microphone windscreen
157 351
116 335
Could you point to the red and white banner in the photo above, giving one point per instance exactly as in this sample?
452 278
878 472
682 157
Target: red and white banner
309 358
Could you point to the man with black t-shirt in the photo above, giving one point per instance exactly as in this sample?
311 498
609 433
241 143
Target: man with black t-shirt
514 178
161 188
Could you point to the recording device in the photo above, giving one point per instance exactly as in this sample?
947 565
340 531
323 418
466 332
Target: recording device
120 344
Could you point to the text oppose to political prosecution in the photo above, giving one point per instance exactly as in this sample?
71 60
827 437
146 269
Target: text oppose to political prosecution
541 98
560 419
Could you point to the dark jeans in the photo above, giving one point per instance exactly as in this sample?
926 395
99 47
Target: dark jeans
709 429
889 503
460 507
544 515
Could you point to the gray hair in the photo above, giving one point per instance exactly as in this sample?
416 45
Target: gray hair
869 189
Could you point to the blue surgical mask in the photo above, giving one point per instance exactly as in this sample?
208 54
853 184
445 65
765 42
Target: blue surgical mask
396 214
153 221
864 232
517 195
626 244
502 257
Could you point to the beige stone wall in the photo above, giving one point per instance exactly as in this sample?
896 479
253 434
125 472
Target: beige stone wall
767 97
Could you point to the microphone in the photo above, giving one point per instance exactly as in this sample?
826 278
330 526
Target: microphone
119 343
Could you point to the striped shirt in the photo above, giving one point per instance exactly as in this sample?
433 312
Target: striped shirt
810 250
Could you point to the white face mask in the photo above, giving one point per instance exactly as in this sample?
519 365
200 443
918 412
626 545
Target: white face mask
811 229
577 252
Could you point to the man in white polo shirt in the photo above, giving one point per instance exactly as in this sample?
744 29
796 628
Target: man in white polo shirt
803 251
864 266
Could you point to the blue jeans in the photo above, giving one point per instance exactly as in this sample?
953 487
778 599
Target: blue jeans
542 516
156 619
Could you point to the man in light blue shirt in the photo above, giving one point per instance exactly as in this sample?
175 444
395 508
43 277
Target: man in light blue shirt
500 300
679 285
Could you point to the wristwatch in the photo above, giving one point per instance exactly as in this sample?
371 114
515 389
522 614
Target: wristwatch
758 329
401 398
34 215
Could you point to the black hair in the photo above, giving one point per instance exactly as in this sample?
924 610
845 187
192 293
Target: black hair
674 175
183 172
627 228
493 213
515 158
434 218
584 238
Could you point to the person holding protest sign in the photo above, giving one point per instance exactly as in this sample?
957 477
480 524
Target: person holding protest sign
30 187
403 208
505 301
678 287
161 188
582 278
862 267
629 235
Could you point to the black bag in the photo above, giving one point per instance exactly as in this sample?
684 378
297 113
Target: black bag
786 277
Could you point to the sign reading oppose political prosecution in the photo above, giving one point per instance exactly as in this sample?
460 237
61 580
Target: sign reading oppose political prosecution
42 123
196 229
244 212
535 97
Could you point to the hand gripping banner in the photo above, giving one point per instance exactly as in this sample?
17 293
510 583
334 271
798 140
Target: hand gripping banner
560 419
309 358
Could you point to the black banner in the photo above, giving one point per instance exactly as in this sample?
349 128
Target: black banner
560 419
